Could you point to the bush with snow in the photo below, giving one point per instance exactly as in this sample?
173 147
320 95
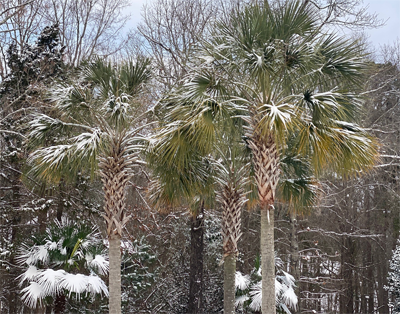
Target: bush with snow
249 288
66 261
394 280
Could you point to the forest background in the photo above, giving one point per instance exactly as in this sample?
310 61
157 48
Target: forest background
339 250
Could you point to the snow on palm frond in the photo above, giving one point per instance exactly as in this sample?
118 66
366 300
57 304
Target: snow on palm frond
46 160
32 294
87 145
83 147
40 126
99 263
239 301
276 115
289 298
75 283
256 296
43 126
241 281
117 105
49 280
83 284
34 255
95 285
29 275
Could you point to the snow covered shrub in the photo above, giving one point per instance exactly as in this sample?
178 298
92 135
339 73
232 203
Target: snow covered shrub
65 262
248 289
394 279
137 272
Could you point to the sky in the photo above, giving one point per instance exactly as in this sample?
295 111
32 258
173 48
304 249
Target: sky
387 10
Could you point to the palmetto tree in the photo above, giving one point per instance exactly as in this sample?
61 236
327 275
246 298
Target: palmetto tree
181 178
97 127
292 81
193 125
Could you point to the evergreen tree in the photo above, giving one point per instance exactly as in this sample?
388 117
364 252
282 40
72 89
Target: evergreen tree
31 69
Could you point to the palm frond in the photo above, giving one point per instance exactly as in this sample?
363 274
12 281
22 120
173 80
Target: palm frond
341 60
43 128
54 162
276 120
33 294
134 74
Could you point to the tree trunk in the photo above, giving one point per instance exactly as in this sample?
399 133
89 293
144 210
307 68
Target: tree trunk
60 205
195 304
347 296
268 261
294 256
115 174
59 304
115 274
266 173
370 281
42 220
232 198
229 284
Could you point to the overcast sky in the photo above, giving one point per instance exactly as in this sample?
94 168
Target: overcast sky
387 10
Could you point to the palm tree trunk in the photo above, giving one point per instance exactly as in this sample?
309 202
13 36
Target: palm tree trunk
115 175
232 199
229 283
195 304
268 305
266 168
115 274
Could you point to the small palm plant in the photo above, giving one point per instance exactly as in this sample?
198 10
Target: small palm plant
249 289
68 260
96 127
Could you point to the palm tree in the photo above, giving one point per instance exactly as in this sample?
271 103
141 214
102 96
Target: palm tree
181 177
67 259
292 81
193 124
98 128
201 123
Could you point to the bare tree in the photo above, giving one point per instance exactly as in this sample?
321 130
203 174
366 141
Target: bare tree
351 14
87 27
174 29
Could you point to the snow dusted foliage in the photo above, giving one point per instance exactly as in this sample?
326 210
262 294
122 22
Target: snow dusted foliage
394 279
30 65
67 260
249 290
137 272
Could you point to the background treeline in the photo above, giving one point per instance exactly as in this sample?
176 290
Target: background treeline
339 250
